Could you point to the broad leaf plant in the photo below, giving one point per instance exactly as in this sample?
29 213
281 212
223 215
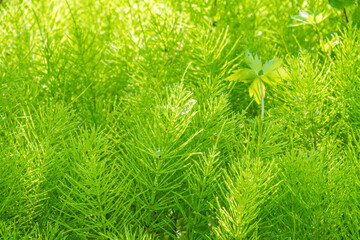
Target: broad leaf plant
271 73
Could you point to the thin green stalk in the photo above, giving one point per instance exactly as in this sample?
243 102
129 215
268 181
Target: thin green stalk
318 33
262 100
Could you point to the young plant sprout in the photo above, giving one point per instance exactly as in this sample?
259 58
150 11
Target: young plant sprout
305 18
271 72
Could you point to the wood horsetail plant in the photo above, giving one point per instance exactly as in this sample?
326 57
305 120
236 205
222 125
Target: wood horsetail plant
271 72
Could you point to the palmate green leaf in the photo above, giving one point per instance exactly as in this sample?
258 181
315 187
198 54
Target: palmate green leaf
307 18
271 72
271 65
254 63
242 75
320 17
255 91
276 76
340 4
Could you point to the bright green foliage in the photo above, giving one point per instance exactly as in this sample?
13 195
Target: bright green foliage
340 4
355 17
271 73
246 193
329 45
117 120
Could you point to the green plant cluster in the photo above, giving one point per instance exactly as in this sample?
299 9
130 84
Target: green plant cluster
117 119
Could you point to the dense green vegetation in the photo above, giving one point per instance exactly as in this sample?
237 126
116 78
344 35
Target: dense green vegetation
132 119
